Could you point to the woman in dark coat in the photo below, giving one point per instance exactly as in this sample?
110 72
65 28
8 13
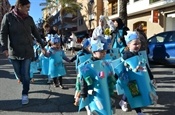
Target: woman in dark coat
121 31
17 28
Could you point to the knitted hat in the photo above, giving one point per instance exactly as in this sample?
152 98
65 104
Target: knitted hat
99 44
130 36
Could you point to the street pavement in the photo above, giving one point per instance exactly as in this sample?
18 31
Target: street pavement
45 99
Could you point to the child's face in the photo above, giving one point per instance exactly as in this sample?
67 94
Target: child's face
99 54
134 45
47 29
56 45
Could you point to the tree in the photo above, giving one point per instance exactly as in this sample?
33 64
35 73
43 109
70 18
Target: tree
90 11
65 6
123 10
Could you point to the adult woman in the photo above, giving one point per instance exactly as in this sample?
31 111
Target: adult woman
119 41
142 37
17 28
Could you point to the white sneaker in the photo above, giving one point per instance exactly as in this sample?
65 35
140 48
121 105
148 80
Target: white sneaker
123 105
25 99
140 113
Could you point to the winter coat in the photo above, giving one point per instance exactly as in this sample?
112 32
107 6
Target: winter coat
16 36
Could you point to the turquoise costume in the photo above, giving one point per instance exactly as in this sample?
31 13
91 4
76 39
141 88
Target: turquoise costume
135 80
45 62
56 66
35 64
96 81
116 43
112 54
100 80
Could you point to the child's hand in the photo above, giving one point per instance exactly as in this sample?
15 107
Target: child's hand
44 51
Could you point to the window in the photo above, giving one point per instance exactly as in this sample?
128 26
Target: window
152 1
80 21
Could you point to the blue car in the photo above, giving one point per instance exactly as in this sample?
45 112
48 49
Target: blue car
162 48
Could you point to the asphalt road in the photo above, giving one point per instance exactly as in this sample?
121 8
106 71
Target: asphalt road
48 100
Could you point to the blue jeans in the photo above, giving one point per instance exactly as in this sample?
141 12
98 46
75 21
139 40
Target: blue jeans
22 70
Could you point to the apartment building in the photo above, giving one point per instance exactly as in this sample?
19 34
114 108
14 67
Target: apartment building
52 16
88 16
155 15
4 8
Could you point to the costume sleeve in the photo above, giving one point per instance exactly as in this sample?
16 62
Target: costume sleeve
4 33
65 57
73 58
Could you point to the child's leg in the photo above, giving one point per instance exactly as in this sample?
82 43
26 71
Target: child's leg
61 82
50 80
139 111
123 103
88 110
55 81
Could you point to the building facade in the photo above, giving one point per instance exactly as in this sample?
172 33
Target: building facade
4 8
52 16
155 15
88 16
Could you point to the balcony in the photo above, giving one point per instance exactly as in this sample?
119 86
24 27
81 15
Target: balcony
113 8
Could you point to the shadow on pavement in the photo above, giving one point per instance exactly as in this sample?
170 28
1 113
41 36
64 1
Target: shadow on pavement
61 103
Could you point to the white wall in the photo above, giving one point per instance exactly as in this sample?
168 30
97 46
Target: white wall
170 23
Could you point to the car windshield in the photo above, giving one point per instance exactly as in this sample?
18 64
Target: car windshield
163 37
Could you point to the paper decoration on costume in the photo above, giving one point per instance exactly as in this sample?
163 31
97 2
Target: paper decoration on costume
119 69
112 54
144 57
138 89
99 44
96 75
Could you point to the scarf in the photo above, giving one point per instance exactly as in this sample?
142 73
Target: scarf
19 14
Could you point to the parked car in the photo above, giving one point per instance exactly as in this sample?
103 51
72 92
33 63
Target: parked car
162 48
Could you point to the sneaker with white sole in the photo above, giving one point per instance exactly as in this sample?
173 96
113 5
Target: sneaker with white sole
123 105
25 99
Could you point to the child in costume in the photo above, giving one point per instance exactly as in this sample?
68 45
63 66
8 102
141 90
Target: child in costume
85 52
81 57
56 65
45 60
133 44
35 65
96 81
